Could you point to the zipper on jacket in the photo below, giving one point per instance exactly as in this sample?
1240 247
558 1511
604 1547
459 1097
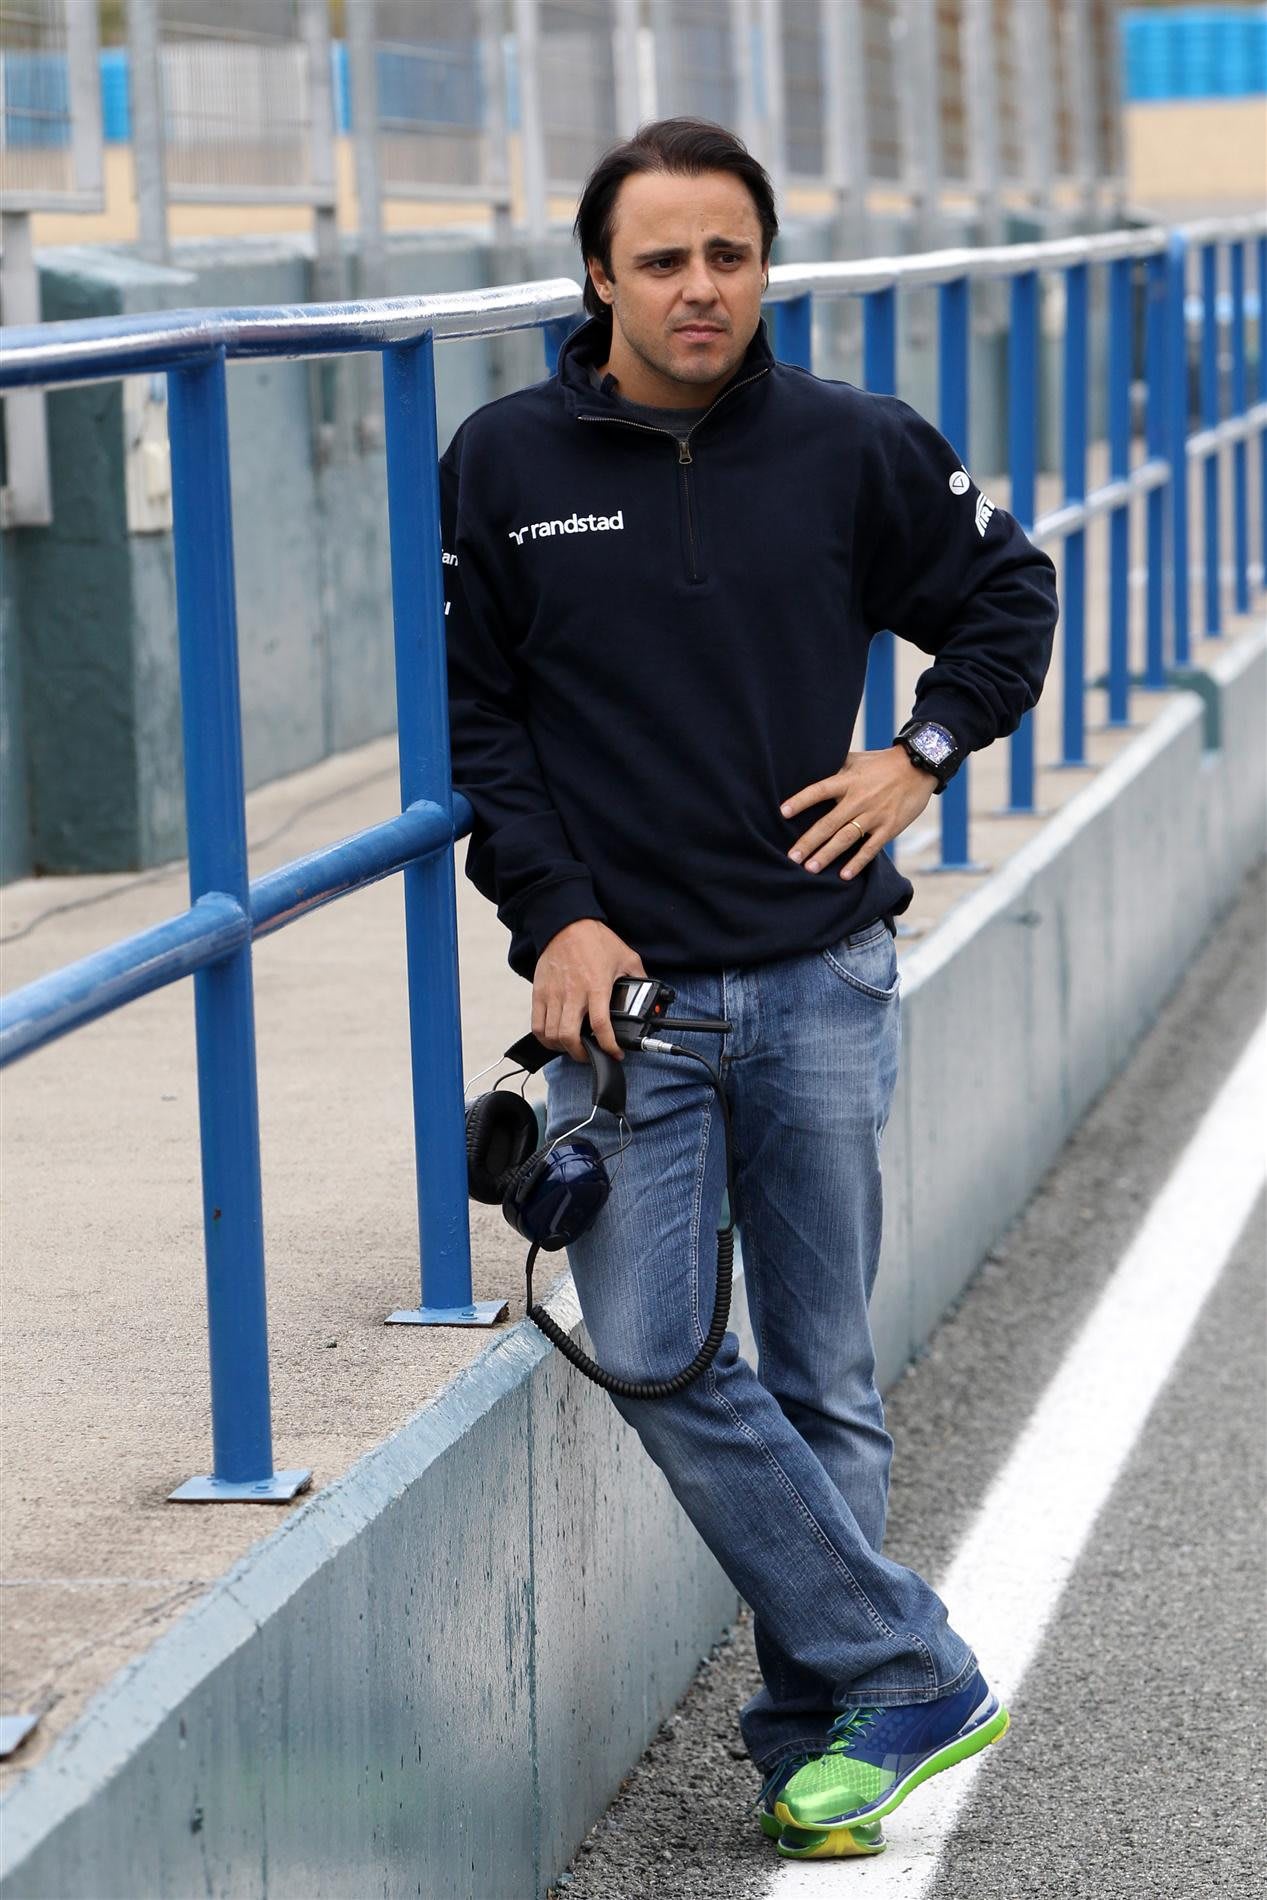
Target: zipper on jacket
684 463
685 458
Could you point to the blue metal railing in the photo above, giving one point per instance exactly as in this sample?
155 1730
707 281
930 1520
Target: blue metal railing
1170 313
212 940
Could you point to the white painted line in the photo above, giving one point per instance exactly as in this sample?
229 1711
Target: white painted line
1008 1575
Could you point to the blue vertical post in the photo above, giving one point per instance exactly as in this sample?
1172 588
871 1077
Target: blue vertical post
1158 442
1262 397
879 374
224 1015
1073 705
431 938
952 377
1209 420
1239 405
1177 442
554 334
794 332
1121 280
1022 428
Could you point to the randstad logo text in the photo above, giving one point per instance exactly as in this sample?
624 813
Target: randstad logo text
575 524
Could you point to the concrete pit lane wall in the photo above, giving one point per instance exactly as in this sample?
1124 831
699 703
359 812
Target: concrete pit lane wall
432 1678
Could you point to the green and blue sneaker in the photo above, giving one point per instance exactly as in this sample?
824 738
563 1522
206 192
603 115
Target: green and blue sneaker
833 1843
776 1821
879 1756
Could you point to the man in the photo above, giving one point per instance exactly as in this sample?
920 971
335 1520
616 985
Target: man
663 567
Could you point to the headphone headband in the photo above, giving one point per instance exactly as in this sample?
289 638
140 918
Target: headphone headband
608 1074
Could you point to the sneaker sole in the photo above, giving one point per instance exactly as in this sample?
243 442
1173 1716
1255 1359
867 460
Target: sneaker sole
775 1829
963 1746
839 1843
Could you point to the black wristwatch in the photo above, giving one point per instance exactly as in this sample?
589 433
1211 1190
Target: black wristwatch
932 748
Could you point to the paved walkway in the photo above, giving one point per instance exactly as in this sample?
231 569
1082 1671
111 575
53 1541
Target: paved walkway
104 1364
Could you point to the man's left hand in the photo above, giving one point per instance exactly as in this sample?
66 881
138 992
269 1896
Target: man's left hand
874 796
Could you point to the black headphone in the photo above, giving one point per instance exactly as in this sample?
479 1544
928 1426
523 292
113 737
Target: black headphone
551 1192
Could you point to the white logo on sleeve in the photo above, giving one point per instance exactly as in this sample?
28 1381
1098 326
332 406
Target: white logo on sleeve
985 508
574 524
960 482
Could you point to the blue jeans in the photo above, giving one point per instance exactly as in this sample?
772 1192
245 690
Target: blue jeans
784 1469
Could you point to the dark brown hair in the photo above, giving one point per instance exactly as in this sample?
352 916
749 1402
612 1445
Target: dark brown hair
684 146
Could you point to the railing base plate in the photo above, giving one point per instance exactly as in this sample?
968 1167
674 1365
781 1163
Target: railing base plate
971 868
14 1730
279 1489
479 1313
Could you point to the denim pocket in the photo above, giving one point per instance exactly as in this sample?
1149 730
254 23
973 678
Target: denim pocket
867 962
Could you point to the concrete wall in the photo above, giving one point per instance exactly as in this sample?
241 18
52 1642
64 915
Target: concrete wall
90 616
15 828
431 1679
428 1681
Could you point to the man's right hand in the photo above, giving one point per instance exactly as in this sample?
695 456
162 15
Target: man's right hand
573 978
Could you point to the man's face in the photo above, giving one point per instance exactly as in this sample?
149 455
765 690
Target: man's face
685 285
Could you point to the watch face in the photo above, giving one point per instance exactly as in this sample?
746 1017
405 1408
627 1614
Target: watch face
933 743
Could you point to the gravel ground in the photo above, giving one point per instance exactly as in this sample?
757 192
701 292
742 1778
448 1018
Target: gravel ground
683 1812
1132 1768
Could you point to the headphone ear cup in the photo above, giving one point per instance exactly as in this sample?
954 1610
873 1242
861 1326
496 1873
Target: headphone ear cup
517 1185
501 1133
553 1196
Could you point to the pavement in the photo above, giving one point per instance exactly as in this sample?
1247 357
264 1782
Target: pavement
1132 1769
103 1360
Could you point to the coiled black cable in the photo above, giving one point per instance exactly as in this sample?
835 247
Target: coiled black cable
661 1388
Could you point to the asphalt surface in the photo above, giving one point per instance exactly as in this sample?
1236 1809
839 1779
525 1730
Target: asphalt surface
1133 1764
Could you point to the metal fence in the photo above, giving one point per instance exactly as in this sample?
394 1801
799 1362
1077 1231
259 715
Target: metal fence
232 103
703 61
1217 252
805 135
50 106
50 160
212 939
238 107
432 100
577 57
508 103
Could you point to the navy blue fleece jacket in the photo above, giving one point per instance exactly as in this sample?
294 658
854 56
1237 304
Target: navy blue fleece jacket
652 645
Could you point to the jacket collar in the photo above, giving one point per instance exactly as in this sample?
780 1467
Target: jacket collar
586 347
